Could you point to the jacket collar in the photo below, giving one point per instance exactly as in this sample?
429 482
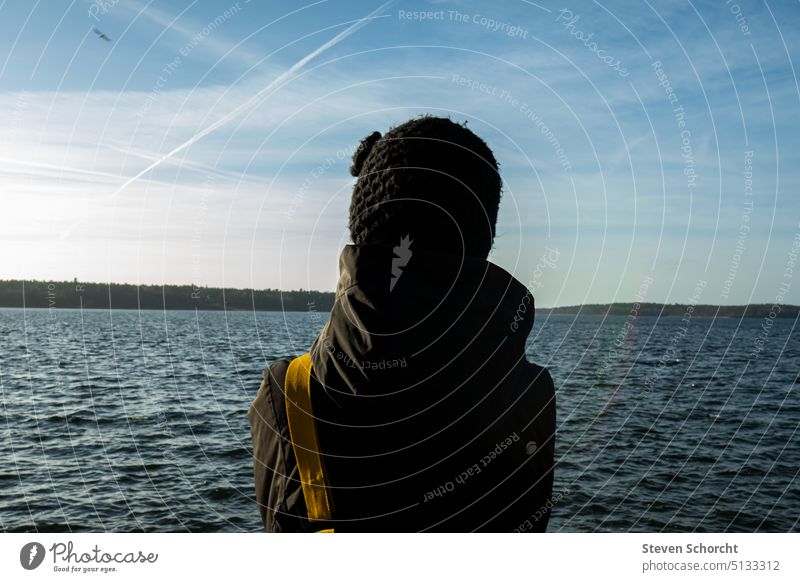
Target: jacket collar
402 312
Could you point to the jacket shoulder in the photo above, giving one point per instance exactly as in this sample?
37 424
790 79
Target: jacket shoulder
539 375
538 388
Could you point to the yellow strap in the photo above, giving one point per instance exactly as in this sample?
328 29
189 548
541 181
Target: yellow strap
303 432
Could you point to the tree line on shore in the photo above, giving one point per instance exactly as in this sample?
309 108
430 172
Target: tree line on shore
75 294
678 310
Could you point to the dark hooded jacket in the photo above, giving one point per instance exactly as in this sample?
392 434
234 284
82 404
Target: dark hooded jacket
429 416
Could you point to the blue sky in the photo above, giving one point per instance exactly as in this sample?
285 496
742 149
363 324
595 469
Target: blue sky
624 131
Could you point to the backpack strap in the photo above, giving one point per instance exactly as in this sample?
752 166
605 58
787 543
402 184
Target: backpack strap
305 441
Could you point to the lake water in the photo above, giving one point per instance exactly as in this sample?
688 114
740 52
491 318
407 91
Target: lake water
136 420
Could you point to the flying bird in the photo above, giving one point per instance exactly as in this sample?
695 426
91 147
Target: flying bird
102 35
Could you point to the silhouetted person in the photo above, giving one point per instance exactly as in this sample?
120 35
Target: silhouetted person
416 409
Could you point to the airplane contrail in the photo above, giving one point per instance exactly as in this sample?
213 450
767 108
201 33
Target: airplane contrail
183 164
236 111
45 166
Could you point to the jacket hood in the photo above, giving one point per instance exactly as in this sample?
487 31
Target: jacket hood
406 317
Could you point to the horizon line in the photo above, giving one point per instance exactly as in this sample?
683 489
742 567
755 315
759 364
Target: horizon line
333 292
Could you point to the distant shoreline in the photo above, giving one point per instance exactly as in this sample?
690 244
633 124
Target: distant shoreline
753 310
78 295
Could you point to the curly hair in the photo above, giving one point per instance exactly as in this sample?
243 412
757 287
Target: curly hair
431 179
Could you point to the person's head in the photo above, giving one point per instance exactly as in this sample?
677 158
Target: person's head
430 179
